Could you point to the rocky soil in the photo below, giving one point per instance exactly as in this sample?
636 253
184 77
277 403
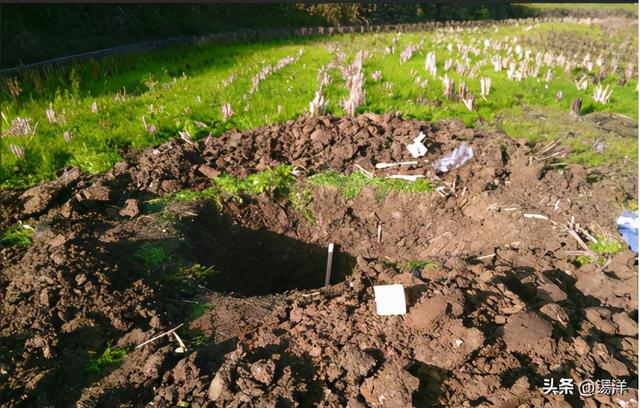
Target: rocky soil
499 308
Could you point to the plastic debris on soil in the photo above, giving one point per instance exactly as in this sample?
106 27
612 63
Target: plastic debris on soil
390 300
407 177
628 224
459 156
417 149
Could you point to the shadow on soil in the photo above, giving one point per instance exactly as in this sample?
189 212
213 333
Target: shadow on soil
258 262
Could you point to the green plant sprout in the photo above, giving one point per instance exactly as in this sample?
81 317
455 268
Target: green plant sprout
19 235
411 265
151 255
110 356
196 272
604 246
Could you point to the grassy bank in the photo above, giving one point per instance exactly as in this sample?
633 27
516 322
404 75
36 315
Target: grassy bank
102 108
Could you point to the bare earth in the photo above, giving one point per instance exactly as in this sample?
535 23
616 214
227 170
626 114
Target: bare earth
479 332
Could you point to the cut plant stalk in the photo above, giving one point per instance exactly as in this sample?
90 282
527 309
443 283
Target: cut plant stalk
575 108
159 336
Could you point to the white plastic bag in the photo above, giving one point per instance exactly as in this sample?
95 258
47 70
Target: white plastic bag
628 224
459 156
417 149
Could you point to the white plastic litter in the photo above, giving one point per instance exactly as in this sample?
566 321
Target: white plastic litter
417 149
390 300
407 177
628 225
459 156
381 166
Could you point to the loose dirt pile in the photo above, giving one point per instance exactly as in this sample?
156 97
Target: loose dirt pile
498 308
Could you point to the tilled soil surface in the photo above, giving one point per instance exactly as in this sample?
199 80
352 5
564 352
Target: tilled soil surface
500 308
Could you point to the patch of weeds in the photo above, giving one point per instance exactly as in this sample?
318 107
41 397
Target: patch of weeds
605 247
301 199
92 161
199 339
350 186
279 182
409 266
582 260
197 310
110 356
541 125
154 205
200 273
631 204
276 181
18 235
188 195
151 255
419 265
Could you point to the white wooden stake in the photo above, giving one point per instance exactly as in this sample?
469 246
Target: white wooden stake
327 277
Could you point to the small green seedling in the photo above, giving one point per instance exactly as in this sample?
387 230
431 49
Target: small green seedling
151 255
198 310
409 266
19 235
110 356
197 272
202 340
604 246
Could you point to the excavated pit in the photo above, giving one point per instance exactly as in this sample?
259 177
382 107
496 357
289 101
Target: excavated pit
257 261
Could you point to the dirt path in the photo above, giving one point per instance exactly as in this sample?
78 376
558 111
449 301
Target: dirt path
498 308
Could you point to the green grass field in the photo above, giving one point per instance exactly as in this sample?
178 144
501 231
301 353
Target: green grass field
182 90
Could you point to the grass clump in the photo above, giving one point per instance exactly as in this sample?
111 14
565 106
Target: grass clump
19 235
280 183
110 356
276 181
350 186
411 265
196 272
198 310
604 247
151 255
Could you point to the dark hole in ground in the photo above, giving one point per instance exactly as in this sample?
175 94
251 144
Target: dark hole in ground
258 262
431 379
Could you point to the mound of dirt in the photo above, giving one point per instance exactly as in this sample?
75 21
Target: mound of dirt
499 307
